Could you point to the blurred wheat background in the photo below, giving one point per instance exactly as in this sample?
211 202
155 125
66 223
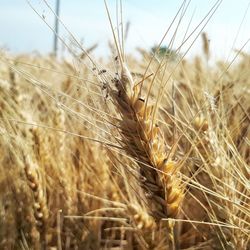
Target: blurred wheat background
141 150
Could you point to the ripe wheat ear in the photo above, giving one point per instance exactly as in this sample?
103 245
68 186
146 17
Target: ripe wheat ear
144 141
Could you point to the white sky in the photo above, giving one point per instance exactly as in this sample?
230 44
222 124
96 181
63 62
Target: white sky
21 30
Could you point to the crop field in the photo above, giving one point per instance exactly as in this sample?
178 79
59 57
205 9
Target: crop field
125 152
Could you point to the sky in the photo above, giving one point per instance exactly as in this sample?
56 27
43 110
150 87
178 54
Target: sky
22 30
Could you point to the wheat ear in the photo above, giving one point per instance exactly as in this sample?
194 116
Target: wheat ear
41 212
144 141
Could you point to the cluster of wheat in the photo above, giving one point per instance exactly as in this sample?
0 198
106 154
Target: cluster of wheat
124 154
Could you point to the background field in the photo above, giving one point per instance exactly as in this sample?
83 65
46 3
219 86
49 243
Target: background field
145 149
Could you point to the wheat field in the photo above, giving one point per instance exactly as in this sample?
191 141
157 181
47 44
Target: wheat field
124 152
